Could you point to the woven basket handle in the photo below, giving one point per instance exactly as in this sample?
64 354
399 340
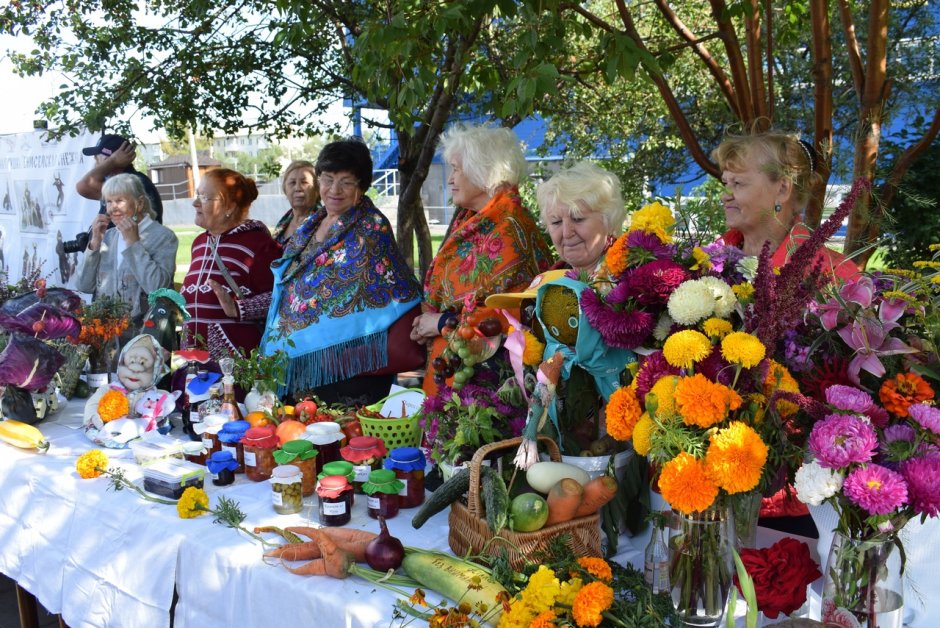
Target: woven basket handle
473 496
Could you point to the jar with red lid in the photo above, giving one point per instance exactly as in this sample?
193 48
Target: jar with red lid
365 453
408 464
328 438
230 438
383 487
335 493
259 444
300 453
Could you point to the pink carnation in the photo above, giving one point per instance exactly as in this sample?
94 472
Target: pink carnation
877 489
842 439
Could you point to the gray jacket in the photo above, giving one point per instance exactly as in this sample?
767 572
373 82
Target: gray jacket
144 266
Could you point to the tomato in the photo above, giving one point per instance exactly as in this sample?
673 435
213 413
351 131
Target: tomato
306 409
290 430
351 428
466 332
528 512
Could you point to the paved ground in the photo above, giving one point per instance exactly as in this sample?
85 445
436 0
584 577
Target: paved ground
9 612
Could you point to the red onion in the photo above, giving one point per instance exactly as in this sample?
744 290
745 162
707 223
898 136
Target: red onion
384 552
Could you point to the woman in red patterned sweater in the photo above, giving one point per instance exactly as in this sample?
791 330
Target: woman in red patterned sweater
233 255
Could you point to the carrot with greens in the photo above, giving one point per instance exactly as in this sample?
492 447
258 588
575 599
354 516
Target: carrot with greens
597 492
352 541
337 561
295 551
315 567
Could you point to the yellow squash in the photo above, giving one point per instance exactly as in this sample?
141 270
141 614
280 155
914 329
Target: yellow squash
23 435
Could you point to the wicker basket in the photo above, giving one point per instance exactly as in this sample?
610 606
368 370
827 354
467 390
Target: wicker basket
404 432
469 531
75 357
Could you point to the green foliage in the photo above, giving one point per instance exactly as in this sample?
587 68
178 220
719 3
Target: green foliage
913 218
268 371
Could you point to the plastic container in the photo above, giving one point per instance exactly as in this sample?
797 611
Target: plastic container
286 489
230 437
222 466
408 464
328 438
382 489
300 453
170 477
366 454
259 444
152 450
335 493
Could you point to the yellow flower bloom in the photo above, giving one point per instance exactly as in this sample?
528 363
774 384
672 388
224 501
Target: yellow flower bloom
542 589
597 567
592 600
534 348
623 411
193 503
684 348
417 598
654 218
735 458
898 295
923 263
568 592
716 327
685 485
113 405
91 464
779 378
664 391
933 247
742 348
703 402
702 259
743 291
641 434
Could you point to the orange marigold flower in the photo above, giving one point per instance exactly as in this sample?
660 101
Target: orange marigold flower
417 598
735 458
684 483
779 378
623 411
597 567
544 620
592 600
703 402
91 464
904 390
113 405
617 258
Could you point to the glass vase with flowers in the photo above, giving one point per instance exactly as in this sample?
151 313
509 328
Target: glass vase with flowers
104 320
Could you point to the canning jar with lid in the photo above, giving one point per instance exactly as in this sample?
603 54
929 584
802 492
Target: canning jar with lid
408 464
222 466
195 451
383 487
286 489
328 438
365 453
209 428
259 444
230 438
300 453
335 493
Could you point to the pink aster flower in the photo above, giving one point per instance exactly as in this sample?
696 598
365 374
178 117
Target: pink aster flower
652 283
841 439
849 398
654 367
877 415
649 242
877 489
626 329
927 416
923 484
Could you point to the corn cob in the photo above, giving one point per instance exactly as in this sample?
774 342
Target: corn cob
23 435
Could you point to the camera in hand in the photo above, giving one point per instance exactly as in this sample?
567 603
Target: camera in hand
78 245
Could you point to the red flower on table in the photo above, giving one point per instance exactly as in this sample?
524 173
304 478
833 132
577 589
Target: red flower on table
781 574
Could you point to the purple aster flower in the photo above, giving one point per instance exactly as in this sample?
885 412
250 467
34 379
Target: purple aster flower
652 283
877 489
900 431
654 367
927 416
649 242
625 329
849 398
841 439
923 484
796 355
723 258
715 368
877 415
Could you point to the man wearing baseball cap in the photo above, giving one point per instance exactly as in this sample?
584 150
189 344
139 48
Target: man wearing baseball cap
113 155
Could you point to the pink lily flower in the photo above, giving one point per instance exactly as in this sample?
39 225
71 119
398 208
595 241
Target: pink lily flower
868 338
860 291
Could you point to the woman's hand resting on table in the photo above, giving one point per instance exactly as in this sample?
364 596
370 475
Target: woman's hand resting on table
424 328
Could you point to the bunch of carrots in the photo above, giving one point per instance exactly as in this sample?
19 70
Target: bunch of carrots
329 551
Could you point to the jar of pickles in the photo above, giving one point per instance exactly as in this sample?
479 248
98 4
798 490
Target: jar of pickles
211 424
286 489
222 466
365 453
259 444
301 454
335 493
328 438
408 464
230 438
383 487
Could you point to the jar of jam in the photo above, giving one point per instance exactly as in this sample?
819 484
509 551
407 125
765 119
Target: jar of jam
286 489
339 467
230 438
195 451
328 438
301 454
383 487
365 453
408 464
222 466
211 424
335 493
259 444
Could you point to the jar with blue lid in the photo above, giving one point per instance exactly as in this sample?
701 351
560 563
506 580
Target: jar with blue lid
230 438
408 464
222 465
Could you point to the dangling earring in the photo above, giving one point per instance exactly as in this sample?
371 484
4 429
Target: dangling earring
777 208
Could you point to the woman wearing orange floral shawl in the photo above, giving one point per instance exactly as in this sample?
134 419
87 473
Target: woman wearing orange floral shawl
493 244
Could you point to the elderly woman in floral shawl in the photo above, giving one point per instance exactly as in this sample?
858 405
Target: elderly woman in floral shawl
493 244
340 286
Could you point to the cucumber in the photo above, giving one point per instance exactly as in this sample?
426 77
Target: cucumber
458 580
495 498
446 494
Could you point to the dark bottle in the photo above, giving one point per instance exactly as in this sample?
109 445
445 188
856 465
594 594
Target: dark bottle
187 406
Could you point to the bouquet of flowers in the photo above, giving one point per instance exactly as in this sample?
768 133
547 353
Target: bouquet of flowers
103 321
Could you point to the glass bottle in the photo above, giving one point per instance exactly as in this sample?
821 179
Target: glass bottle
229 404
656 556
186 405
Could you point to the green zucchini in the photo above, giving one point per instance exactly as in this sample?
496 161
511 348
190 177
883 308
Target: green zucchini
495 498
458 580
446 494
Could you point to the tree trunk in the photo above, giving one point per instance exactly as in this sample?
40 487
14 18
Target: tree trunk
822 94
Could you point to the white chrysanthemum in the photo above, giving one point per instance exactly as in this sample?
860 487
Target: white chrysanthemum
747 266
663 327
691 302
814 484
725 300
